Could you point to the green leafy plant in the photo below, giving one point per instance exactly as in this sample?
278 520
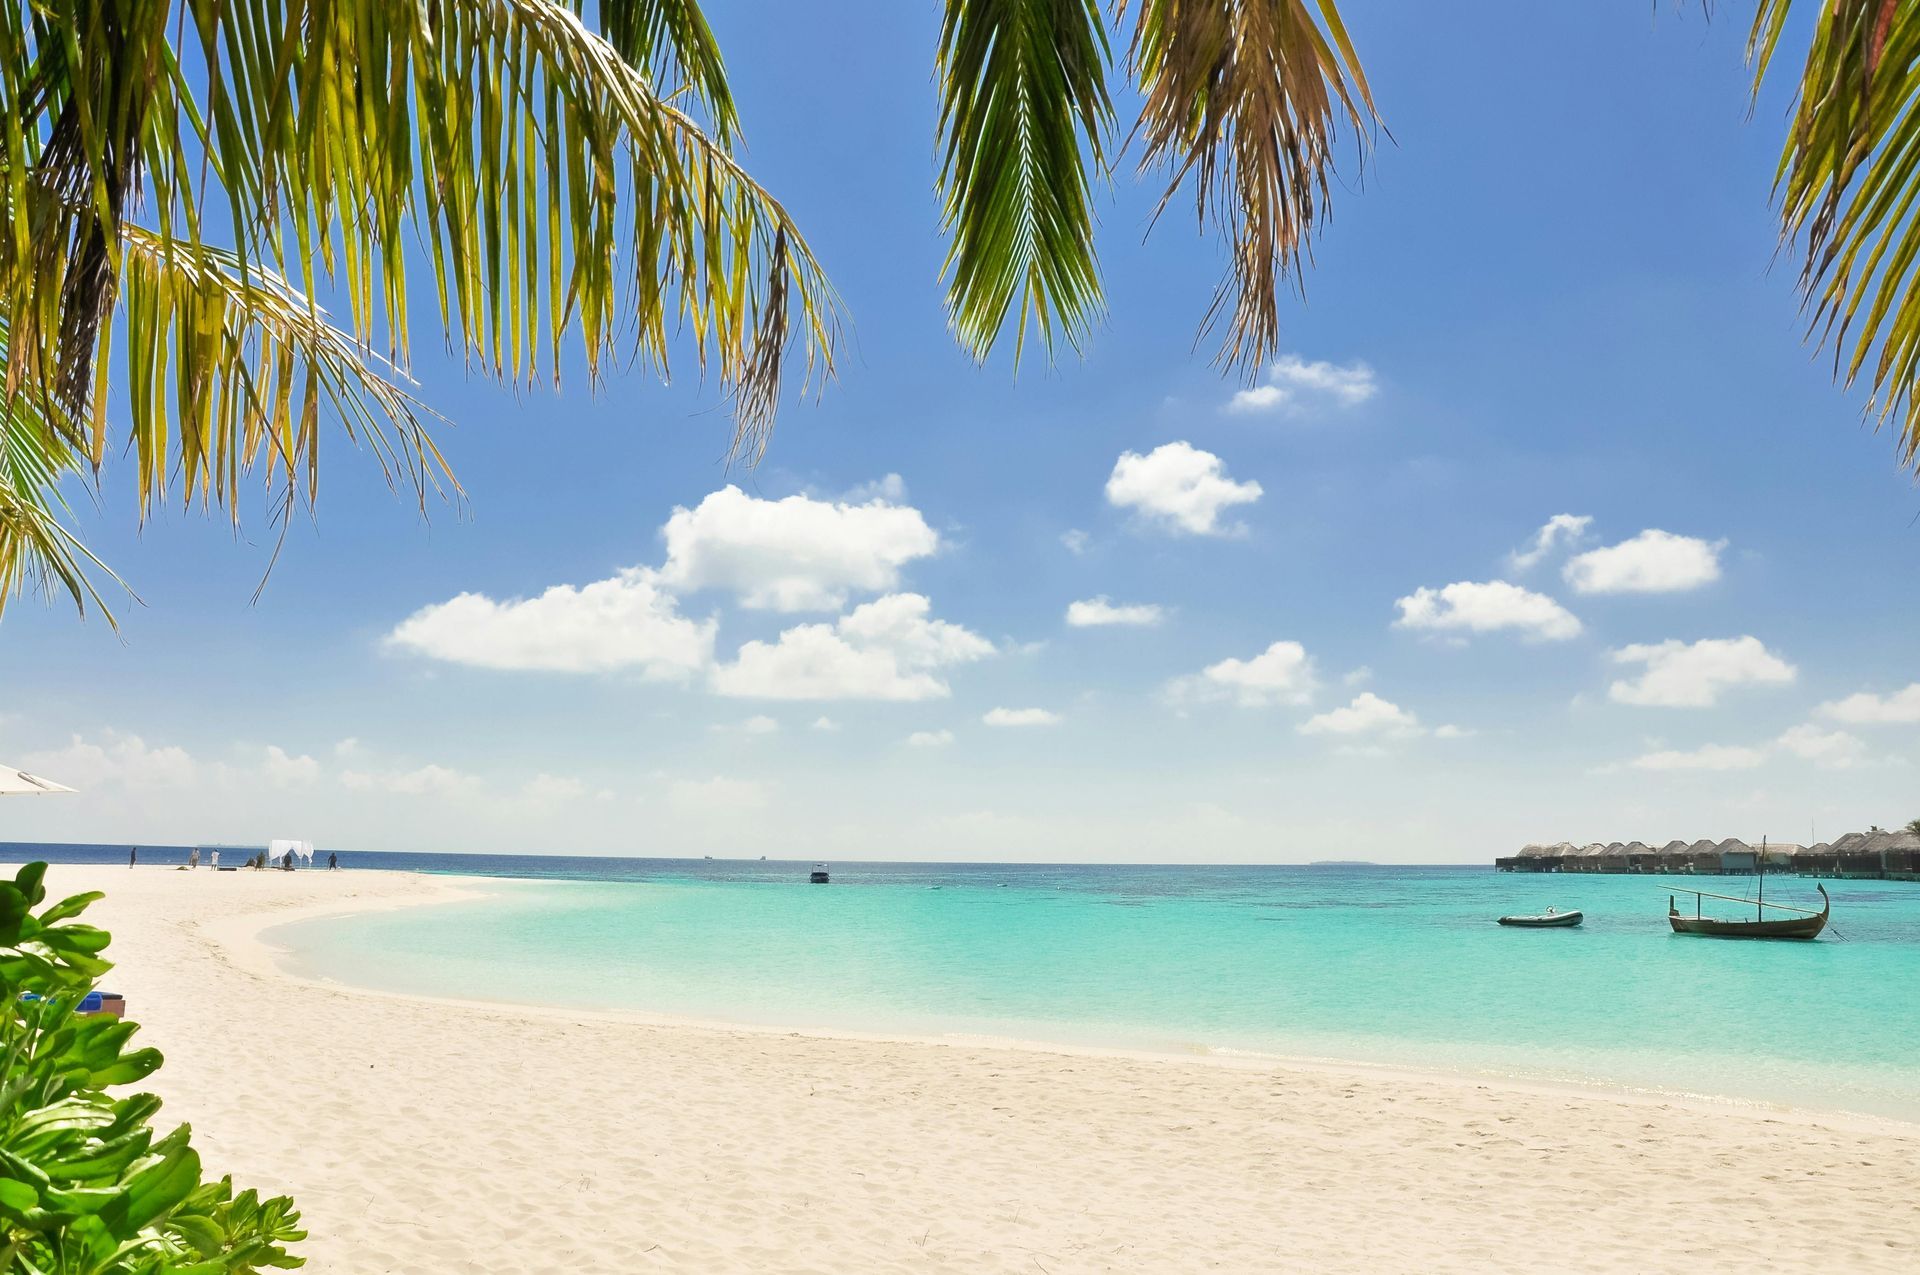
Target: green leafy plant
86 1186
1913 826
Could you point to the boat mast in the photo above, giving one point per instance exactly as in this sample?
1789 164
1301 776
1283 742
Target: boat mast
1761 902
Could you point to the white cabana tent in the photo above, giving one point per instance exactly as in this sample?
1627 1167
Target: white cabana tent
18 783
277 850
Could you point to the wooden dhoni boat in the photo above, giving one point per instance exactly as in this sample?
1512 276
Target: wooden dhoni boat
1545 921
1806 925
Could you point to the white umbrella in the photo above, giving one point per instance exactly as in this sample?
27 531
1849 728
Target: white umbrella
16 783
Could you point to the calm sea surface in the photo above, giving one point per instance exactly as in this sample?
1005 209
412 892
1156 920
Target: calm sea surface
1393 965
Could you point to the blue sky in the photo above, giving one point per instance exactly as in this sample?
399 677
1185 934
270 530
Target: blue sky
1553 292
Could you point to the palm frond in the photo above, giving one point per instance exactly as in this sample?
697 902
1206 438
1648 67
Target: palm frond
671 40
36 551
229 370
1244 99
1024 116
1848 181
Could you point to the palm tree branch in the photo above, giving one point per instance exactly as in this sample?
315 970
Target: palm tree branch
1244 99
1024 119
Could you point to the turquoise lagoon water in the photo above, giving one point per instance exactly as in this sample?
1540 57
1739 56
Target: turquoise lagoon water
1385 965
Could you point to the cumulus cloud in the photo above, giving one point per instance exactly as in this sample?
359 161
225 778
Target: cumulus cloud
1179 487
1486 607
1295 382
1710 757
887 649
429 780
1020 717
626 623
1561 529
719 794
1652 562
1693 674
1281 674
1827 749
1098 611
553 788
1898 708
825 724
1075 540
794 554
117 760
1368 714
930 739
283 770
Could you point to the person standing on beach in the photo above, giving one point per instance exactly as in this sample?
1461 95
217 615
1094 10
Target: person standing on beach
333 861
133 852
193 857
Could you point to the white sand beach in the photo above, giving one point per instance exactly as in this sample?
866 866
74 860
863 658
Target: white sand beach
424 1136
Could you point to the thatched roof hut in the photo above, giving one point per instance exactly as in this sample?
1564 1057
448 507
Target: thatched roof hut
1703 856
1779 854
1737 856
1900 856
1642 857
1858 854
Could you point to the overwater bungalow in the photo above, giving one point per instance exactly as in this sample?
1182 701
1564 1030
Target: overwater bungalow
1901 856
1779 855
1703 858
1737 858
1856 856
1815 860
1614 857
1588 860
1674 857
1642 857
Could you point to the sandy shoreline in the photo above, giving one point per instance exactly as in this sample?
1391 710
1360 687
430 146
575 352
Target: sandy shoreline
425 1135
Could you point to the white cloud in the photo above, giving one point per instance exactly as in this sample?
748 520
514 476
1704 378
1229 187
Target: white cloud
1827 749
554 788
891 488
1901 707
1258 398
759 724
282 770
1020 717
1179 486
1368 714
1711 757
826 724
1452 732
428 780
1559 529
930 739
886 649
1075 540
1652 562
121 761
1293 380
1692 675
626 623
720 794
795 554
1485 607
1281 674
1098 611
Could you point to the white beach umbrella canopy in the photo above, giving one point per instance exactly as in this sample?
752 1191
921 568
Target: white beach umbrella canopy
18 783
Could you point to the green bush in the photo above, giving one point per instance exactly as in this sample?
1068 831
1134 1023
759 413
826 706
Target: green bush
86 1188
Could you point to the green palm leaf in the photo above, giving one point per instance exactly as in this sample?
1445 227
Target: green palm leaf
565 184
1848 181
1024 114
